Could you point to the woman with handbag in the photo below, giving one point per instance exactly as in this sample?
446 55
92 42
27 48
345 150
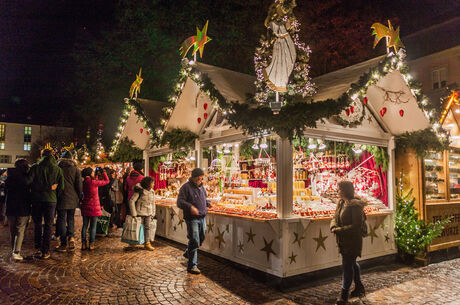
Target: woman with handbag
90 205
142 204
347 225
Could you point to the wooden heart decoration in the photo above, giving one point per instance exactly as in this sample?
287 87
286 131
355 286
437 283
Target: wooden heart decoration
401 113
205 106
365 100
199 120
347 111
383 111
205 115
142 130
352 109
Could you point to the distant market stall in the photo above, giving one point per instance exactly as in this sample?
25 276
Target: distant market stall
274 148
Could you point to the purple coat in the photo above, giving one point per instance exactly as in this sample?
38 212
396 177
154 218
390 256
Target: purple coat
90 205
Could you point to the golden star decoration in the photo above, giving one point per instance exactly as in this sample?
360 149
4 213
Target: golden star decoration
298 239
250 236
240 246
268 248
210 227
136 85
372 233
369 118
387 238
380 31
292 258
197 41
220 237
181 221
172 215
320 241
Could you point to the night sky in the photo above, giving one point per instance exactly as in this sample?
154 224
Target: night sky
38 36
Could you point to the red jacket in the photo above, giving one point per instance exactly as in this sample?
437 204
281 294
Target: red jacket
133 179
90 205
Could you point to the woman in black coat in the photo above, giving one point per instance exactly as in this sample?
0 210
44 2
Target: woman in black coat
18 205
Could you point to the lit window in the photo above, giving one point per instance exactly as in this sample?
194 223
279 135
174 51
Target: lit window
27 134
2 145
2 132
439 78
27 146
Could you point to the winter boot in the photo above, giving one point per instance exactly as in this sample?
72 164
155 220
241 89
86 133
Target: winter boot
359 291
343 300
148 246
91 246
84 245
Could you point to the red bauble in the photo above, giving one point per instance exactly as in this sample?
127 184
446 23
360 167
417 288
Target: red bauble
142 130
347 111
205 115
365 100
401 113
148 133
199 120
205 106
352 109
383 111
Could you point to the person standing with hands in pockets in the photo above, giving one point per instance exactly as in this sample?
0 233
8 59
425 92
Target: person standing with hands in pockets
192 200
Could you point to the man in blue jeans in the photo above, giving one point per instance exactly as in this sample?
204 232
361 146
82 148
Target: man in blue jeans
192 200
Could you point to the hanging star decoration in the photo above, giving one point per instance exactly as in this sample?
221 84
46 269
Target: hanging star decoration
268 248
292 258
136 85
380 31
210 227
320 241
369 118
198 41
240 246
250 236
372 233
181 221
220 237
387 237
298 239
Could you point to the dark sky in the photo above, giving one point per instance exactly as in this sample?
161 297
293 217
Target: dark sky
36 37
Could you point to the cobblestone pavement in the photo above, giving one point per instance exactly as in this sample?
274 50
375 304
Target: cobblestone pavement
111 275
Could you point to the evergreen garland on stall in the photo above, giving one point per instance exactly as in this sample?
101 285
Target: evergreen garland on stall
421 141
413 235
179 139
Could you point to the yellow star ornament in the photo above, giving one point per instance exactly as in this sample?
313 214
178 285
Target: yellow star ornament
136 85
380 31
197 42
320 241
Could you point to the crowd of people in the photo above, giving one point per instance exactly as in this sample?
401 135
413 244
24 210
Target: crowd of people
53 188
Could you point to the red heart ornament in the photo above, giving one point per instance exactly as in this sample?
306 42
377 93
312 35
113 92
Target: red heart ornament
365 100
205 115
205 106
142 130
352 109
199 120
401 113
347 112
383 111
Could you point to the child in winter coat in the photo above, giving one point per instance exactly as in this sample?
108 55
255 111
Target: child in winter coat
142 204
90 205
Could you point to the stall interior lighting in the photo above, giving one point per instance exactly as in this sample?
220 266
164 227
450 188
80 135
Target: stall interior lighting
311 144
256 144
263 143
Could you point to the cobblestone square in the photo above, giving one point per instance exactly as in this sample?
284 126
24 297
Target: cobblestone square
112 275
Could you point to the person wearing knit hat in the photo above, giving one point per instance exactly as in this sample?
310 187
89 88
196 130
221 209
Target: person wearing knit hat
192 200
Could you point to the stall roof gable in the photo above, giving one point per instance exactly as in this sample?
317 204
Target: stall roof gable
152 109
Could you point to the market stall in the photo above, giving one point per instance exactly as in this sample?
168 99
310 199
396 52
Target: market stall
435 179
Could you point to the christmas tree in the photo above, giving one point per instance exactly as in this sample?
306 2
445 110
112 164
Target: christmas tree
281 61
412 234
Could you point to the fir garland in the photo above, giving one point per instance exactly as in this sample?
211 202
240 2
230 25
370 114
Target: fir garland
179 139
421 141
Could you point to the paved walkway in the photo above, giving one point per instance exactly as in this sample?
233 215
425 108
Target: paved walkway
110 275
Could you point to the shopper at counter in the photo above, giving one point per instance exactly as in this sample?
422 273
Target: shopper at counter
192 200
347 225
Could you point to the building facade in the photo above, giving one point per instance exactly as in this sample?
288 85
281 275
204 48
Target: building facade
16 140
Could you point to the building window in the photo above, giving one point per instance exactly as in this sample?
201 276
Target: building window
2 136
5 159
27 138
439 78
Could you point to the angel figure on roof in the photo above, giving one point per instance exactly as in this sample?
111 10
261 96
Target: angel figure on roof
279 23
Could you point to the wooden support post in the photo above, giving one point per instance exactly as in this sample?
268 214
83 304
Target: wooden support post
145 156
284 183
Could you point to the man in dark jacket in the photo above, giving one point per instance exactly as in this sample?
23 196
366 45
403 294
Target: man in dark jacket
68 201
192 200
43 175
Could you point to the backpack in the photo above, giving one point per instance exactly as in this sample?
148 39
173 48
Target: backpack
364 231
